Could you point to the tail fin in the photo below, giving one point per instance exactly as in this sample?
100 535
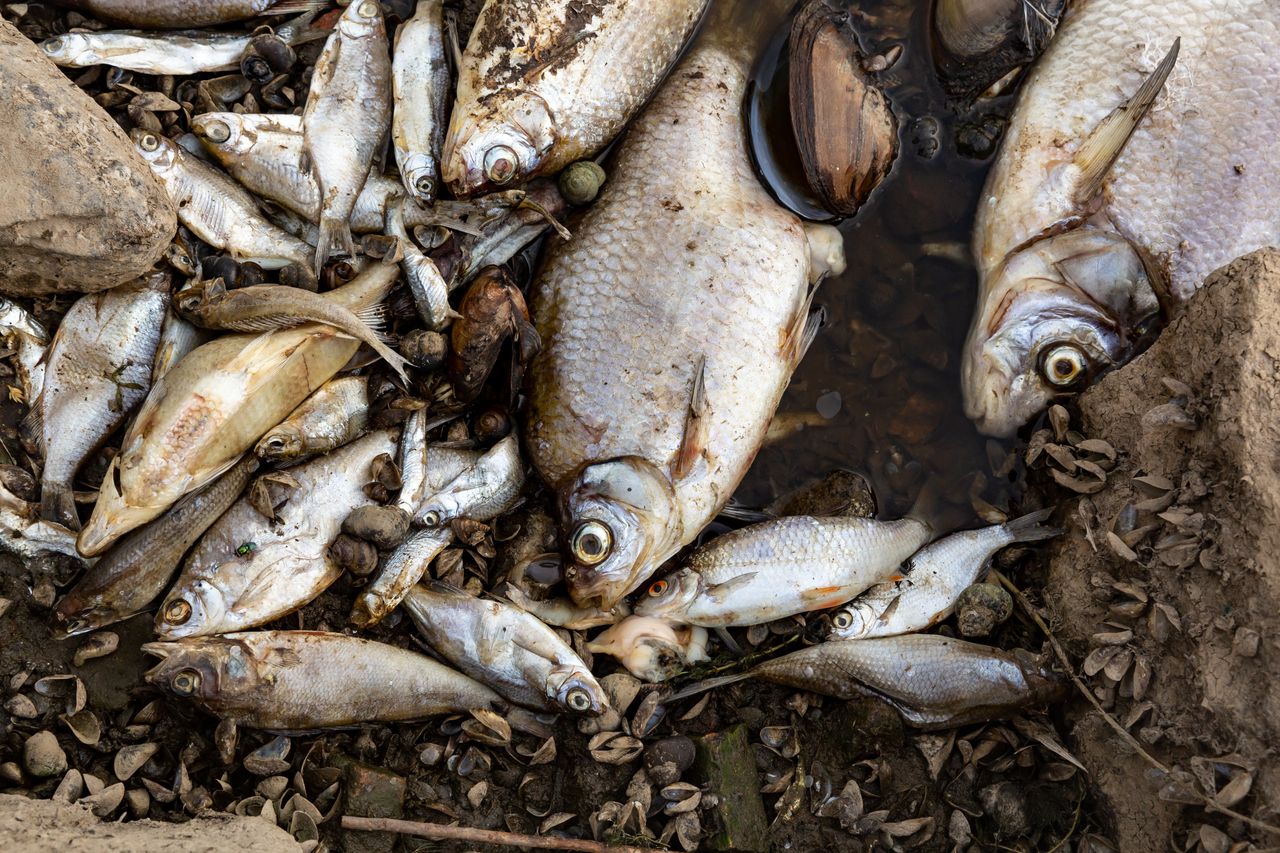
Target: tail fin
58 503
928 508
334 240
708 684
1029 529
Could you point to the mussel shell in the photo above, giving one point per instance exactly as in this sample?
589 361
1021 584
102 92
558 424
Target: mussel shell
978 42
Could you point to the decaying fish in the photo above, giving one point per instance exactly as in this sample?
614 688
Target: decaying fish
217 209
98 370
294 681
934 682
177 338
267 307
652 649
425 468
347 116
27 536
337 413
30 340
546 82
138 567
420 87
506 648
488 488
647 410
933 579
563 613
429 289
180 14
1123 180
214 405
401 570
782 567
158 53
492 312
506 229
248 570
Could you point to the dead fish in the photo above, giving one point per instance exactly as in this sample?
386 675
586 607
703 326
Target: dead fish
401 570
563 613
492 311
420 88
426 468
179 14
27 536
177 338
264 153
347 117
501 237
429 289
175 53
933 579
543 84
248 570
485 490
1136 162
136 570
217 209
98 370
652 649
30 340
214 405
267 307
296 681
934 682
646 411
506 648
783 567
336 414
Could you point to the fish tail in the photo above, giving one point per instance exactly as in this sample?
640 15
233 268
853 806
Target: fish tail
58 503
334 240
1029 529
393 358
708 684
292 7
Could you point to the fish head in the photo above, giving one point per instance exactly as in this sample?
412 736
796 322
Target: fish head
79 612
420 176
670 597
851 621
190 670
73 49
283 442
504 146
223 133
1058 313
160 153
621 523
576 690
650 649
361 19
191 611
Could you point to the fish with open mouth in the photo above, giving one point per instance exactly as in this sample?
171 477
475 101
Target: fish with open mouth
297 681
671 323
546 82
1140 158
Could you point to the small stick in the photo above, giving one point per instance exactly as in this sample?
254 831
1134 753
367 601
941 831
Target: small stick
483 836
1210 803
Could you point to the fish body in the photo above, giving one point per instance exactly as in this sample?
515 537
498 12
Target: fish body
425 468
783 567
138 567
98 370
180 14
30 340
296 681
214 405
420 88
545 82
651 649
403 567
563 613
177 338
646 411
217 209
248 570
27 536
484 491
347 116
1078 256
506 648
427 286
932 580
337 413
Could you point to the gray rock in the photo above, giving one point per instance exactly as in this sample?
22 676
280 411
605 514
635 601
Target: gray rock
43 756
79 210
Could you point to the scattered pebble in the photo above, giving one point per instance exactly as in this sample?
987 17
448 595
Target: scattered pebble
98 645
43 756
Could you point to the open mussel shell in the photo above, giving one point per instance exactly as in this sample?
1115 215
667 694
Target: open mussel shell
845 129
980 42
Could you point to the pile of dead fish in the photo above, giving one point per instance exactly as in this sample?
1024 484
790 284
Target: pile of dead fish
267 450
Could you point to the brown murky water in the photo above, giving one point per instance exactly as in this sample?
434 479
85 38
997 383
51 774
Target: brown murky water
884 374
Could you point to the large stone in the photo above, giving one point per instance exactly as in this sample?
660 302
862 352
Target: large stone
1211 696
79 209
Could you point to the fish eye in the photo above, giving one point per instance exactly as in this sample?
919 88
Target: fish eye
178 612
578 700
216 131
843 619
53 45
185 682
500 164
149 142
367 10
591 542
73 625
1063 365
431 519
657 588
425 185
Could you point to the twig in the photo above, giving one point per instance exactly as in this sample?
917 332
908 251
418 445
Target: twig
482 836
1210 803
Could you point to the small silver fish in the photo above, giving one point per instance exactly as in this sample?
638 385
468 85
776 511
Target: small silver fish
484 491
177 338
27 536
652 649
429 289
420 87
336 414
401 570
21 332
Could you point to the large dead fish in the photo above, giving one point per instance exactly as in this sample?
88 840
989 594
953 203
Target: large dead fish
420 88
296 681
1135 164
249 569
98 370
671 323
214 405
546 82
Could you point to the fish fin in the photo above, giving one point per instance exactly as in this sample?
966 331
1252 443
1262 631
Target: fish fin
1029 529
58 503
739 512
928 507
451 28
398 362
270 323
887 613
1099 152
803 332
717 592
32 423
822 597
442 587
251 353
696 427
708 684
293 7
527 337
565 233
374 316
334 240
